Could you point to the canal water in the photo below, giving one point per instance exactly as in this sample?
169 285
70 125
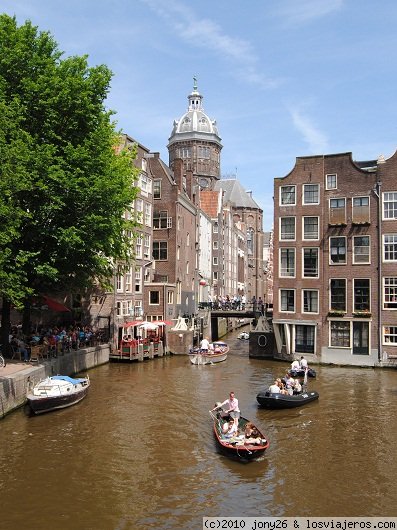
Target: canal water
139 452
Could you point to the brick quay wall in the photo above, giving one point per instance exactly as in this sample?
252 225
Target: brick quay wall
16 379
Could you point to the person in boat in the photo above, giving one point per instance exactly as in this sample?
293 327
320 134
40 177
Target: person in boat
303 363
232 407
229 429
204 345
295 365
289 383
211 348
251 434
274 388
297 387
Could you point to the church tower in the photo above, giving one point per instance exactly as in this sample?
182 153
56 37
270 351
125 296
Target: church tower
195 139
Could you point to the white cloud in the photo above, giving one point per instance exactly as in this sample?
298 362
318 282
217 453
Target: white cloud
204 33
315 139
294 12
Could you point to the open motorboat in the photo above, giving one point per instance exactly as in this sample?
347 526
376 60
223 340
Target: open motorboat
215 355
238 446
272 400
57 392
300 373
244 335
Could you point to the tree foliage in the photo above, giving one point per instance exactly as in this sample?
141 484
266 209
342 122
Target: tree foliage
63 186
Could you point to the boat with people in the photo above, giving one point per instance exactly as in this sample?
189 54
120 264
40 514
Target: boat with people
278 400
216 353
57 392
244 335
247 444
300 372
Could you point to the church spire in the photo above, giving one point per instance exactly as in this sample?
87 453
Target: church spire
195 98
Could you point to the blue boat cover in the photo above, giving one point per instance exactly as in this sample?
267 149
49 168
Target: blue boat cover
67 378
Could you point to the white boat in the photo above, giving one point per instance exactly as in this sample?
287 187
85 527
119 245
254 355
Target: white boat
243 335
217 355
57 392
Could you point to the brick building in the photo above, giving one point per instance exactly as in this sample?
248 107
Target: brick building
335 248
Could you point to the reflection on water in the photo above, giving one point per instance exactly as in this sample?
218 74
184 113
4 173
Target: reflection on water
139 450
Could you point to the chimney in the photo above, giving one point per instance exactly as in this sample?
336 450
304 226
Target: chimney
178 172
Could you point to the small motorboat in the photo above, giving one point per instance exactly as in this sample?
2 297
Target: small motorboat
238 446
57 392
301 373
215 355
272 400
243 335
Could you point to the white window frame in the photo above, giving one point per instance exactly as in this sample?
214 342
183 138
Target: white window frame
346 323
328 176
318 193
355 262
293 238
392 286
304 234
303 301
389 197
280 301
281 269
386 332
138 279
330 260
282 203
318 262
393 243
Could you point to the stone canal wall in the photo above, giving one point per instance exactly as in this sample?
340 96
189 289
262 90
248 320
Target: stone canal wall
17 379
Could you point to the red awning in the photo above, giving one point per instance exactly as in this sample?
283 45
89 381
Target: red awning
54 305
132 324
163 322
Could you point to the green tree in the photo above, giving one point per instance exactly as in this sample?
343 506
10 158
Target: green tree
63 184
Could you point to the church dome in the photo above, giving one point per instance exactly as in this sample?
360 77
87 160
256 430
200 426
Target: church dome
195 124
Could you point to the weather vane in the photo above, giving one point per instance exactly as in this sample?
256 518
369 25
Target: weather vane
194 83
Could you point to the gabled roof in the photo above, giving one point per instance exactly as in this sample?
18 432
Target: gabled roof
236 194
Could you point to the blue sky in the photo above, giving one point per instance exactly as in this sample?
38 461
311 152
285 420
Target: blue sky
283 78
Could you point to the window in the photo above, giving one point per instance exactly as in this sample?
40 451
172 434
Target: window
287 228
304 339
215 245
250 241
170 297
154 297
138 280
187 267
331 181
390 293
188 239
287 195
148 214
118 309
337 211
311 194
310 301
310 263
203 152
360 214
215 275
215 260
337 250
390 205
338 294
361 249
157 189
138 246
287 300
215 227
160 250
128 280
119 281
161 220
390 247
146 247
145 184
340 334
287 262
390 335
361 294
139 209
138 310
310 227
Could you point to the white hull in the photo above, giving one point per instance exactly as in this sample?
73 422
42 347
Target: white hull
210 358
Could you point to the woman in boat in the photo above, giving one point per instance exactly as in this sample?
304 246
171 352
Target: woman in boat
297 387
289 383
229 429
251 433
295 365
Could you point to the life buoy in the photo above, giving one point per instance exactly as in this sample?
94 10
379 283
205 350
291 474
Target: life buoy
262 341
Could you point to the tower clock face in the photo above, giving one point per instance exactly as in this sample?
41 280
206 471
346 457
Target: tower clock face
203 182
